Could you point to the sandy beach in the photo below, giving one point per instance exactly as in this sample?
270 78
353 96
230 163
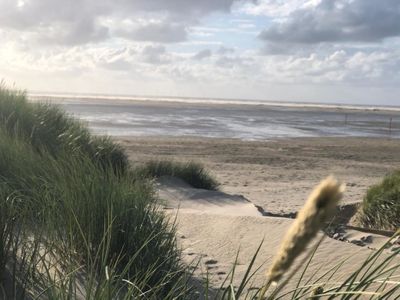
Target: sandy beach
276 176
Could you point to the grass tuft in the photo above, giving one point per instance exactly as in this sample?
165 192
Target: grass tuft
192 173
381 205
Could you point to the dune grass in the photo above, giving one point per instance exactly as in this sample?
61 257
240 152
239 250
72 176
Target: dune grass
72 223
192 173
47 128
381 205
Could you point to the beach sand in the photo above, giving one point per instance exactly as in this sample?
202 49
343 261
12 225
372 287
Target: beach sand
278 175
275 175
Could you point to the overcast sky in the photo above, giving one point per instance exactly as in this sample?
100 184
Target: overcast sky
344 51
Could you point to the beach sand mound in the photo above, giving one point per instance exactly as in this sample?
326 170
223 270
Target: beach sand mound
180 195
213 226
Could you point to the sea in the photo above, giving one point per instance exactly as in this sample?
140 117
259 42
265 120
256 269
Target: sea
218 118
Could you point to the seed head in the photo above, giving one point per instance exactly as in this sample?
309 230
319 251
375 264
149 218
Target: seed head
319 207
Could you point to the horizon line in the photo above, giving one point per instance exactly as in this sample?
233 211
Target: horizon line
210 100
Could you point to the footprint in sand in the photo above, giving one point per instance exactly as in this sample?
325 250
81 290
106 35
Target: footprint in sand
221 273
211 262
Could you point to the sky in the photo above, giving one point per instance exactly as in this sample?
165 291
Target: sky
338 51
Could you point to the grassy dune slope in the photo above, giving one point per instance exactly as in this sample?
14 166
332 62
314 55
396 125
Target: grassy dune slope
72 222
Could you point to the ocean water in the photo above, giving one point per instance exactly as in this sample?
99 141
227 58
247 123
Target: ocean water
228 120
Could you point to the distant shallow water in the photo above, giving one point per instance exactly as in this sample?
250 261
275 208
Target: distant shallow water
247 122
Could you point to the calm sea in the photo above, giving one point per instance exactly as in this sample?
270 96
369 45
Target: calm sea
247 122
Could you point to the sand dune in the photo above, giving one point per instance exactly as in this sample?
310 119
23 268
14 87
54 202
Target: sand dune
276 175
214 226
180 195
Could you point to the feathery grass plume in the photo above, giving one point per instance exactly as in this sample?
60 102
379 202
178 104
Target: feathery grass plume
318 208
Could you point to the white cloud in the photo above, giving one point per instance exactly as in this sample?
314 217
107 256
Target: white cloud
197 47
225 50
338 21
79 21
202 54
275 8
155 54
163 32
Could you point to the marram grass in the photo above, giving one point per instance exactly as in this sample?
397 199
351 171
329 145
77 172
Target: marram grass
47 128
191 172
380 208
73 224
320 206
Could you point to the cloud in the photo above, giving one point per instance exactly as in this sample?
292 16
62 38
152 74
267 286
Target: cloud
117 65
225 50
202 54
155 54
274 8
337 67
116 59
338 21
80 32
84 21
159 32
245 65
183 8
72 22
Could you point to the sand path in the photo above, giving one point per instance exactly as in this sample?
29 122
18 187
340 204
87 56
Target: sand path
214 226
